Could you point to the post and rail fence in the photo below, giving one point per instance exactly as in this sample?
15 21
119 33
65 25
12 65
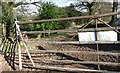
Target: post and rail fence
97 42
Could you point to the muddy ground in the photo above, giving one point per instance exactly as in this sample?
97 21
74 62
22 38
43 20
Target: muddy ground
27 66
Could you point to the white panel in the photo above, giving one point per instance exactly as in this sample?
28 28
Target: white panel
107 36
102 36
86 36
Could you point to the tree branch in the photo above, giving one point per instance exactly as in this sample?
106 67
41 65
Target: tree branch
26 3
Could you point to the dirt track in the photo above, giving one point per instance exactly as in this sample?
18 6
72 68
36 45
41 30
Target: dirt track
77 57
4 66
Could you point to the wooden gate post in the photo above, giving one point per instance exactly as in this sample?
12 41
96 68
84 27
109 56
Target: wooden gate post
18 43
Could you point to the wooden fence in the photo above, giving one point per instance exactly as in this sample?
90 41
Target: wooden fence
98 53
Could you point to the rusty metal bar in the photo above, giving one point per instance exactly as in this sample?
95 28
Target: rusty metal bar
71 18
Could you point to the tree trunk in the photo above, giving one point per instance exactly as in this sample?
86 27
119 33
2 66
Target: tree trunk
114 9
9 19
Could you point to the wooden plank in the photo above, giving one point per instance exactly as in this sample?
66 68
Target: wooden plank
20 60
96 38
73 31
75 52
72 69
19 48
19 35
48 31
99 29
53 42
72 42
25 45
71 18
79 62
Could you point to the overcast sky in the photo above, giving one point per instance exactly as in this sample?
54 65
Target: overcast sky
59 3
62 3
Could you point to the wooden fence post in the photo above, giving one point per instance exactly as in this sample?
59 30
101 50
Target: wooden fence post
18 43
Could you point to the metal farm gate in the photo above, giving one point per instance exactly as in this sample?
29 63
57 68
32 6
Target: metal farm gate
98 53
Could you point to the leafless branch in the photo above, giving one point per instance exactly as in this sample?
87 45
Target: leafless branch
26 3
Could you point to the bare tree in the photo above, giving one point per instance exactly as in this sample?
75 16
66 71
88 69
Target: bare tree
114 9
7 8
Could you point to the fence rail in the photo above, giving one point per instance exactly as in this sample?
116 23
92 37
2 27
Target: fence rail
73 31
72 69
97 42
72 42
81 52
79 62
72 18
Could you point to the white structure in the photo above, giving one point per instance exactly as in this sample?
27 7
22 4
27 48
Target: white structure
107 36
102 36
86 36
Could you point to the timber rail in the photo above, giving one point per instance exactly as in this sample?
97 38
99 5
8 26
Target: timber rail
96 18
71 18
83 29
